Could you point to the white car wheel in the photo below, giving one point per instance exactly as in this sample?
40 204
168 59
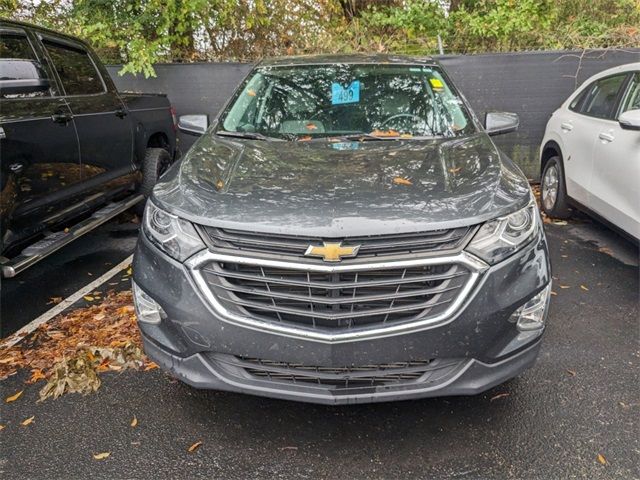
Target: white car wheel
553 192
550 187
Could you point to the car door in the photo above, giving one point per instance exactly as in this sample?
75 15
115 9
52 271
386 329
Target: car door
104 127
615 183
40 166
579 129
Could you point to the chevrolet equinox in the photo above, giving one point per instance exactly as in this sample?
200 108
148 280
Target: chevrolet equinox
345 231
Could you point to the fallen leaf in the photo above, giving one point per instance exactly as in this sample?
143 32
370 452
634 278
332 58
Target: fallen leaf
402 181
195 446
134 422
385 133
601 459
571 372
27 421
455 170
564 286
101 456
129 271
1 427
54 300
584 288
500 395
126 309
553 293
288 448
14 397
36 374
88 298
150 366
251 93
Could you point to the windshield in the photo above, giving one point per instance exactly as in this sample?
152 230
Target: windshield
311 101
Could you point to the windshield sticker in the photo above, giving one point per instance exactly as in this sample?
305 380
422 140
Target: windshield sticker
341 95
346 146
436 84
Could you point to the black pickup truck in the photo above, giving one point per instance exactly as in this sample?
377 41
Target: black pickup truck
74 152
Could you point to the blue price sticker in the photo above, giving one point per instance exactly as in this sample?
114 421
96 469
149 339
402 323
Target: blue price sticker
341 94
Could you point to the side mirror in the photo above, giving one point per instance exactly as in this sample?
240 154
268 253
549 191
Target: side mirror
21 77
193 124
630 120
497 123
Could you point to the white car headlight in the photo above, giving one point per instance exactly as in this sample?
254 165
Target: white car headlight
497 239
174 236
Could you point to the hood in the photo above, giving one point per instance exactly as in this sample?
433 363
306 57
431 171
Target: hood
319 188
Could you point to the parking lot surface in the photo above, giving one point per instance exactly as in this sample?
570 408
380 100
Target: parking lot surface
574 415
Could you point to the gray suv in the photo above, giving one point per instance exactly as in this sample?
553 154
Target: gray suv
345 231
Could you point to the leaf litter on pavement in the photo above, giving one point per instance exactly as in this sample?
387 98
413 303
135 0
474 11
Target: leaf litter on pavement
70 351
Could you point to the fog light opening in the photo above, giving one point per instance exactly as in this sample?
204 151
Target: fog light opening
147 309
532 315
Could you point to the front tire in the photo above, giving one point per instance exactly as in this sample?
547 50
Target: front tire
155 163
553 190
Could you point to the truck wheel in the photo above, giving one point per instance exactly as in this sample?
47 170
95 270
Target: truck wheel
553 190
155 163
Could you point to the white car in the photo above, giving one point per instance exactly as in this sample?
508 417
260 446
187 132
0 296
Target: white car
590 154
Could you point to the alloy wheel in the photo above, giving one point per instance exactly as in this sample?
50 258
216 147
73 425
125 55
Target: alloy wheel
550 187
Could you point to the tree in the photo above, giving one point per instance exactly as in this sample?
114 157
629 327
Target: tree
140 33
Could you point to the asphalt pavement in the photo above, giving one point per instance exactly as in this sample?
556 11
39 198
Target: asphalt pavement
579 401
57 276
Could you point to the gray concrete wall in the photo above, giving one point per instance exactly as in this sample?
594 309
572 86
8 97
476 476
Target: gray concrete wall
532 84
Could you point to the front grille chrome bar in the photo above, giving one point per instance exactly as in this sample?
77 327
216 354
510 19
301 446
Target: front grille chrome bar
198 265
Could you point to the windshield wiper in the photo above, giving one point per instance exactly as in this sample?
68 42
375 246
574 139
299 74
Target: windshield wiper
248 135
363 137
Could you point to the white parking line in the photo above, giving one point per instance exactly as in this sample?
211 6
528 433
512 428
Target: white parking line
64 304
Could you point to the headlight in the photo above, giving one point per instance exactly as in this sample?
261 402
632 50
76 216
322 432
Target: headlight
174 236
499 238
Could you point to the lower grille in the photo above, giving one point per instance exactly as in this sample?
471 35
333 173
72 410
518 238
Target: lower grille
336 300
347 377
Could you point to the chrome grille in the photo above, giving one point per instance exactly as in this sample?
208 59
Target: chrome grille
370 246
337 300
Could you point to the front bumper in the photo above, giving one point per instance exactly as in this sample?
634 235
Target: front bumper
478 346
470 377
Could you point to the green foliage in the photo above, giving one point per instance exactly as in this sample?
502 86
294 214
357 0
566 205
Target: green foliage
140 33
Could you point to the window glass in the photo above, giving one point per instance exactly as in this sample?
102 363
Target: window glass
75 68
632 99
19 66
577 102
602 97
15 45
327 100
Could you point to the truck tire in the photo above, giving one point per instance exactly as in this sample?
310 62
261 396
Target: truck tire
155 163
553 190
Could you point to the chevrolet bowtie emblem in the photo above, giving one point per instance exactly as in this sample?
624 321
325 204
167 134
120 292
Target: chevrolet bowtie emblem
332 251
